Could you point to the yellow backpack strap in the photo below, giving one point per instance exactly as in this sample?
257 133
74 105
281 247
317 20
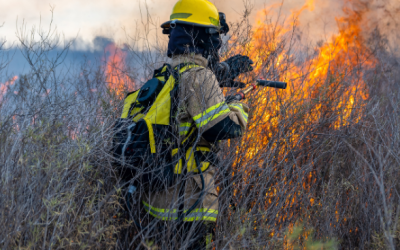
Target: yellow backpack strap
152 117
151 135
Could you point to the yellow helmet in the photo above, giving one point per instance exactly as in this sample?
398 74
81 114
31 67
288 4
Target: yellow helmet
195 12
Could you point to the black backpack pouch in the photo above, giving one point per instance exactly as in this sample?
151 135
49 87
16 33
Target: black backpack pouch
154 172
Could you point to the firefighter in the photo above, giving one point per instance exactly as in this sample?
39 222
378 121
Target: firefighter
204 118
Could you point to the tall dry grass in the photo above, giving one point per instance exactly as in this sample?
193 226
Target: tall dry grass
60 190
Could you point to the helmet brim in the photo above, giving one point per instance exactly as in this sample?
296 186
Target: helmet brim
167 24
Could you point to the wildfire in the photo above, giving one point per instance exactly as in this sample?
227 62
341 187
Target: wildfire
4 86
330 81
117 76
334 73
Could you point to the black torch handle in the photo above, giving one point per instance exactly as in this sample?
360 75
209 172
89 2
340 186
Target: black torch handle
273 84
264 83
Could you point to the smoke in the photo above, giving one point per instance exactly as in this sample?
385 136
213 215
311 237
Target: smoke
321 21
74 18
384 18
127 21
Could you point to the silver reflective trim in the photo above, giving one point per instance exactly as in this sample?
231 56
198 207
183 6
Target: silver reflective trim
165 215
201 215
212 113
184 129
174 216
240 107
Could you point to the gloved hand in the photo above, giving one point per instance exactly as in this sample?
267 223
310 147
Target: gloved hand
232 98
228 70
239 64
233 84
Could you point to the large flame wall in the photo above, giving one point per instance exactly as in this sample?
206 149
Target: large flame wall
326 92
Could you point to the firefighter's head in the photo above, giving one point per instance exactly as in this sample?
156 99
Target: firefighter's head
195 26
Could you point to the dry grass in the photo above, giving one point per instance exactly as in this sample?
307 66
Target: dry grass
59 189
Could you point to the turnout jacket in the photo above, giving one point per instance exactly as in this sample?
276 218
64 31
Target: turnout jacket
201 111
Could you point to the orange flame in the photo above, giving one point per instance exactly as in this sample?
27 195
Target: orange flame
4 86
117 77
334 73
344 53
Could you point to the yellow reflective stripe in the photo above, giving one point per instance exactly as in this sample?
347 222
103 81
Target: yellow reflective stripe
202 218
239 107
210 114
183 132
160 210
190 66
203 214
184 128
159 213
151 135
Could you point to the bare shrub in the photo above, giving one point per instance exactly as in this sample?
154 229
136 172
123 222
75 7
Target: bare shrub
57 186
318 162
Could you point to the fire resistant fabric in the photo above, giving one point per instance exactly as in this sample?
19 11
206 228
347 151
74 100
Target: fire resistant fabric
203 103
202 106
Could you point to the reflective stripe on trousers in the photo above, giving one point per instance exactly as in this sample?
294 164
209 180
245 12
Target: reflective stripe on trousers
199 214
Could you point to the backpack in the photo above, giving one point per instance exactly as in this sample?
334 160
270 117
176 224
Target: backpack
145 135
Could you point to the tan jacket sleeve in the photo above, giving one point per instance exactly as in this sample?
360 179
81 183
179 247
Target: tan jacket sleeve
205 101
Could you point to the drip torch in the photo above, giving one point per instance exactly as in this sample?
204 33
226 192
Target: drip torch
263 83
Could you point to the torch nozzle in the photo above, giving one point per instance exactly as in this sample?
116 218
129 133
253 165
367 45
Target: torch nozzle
264 83
274 84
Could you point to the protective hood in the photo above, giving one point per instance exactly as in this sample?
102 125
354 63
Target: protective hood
186 39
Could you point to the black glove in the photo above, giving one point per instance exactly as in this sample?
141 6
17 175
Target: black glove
232 84
228 70
232 98
239 64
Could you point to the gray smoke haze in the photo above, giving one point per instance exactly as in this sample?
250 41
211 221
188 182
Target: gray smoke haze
95 24
119 18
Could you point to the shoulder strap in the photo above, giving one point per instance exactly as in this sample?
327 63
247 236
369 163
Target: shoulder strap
160 71
175 72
